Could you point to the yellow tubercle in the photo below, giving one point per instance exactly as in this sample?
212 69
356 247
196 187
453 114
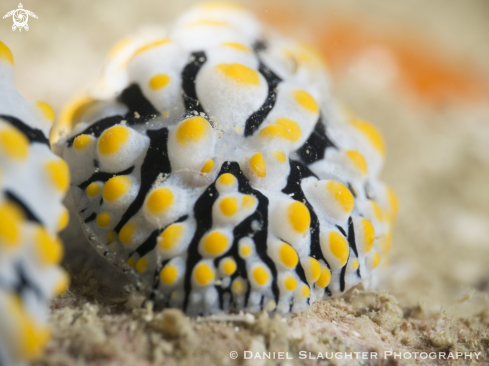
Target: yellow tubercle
299 216
229 206
192 130
208 166
292 127
261 275
49 248
371 133
306 101
290 283
82 141
288 256
258 165
204 275
324 278
358 160
160 200
159 81
116 187
215 243
342 195
339 247
169 274
127 232
59 174
6 54
103 219
170 236
113 139
14 143
240 74
46 110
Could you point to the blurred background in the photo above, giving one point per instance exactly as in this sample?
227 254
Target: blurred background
419 70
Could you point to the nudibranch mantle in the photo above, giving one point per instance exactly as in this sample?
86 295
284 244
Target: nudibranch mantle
211 164
33 182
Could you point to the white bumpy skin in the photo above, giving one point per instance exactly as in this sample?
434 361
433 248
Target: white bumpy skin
33 182
211 164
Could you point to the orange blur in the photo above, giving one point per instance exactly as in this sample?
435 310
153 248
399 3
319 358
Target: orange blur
421 67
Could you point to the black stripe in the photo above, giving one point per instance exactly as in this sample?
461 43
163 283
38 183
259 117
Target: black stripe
351 236
257 118
189 74
27 212
90 218
315 146
32 134
298 172
135 100
104 177
155 162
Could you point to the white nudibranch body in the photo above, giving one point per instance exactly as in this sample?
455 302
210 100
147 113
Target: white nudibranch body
212 165
33 182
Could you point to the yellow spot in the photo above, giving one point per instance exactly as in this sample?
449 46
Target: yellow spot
228 266
119 46
240 74
244 251
168 275
215 243
261 275
6 54
355 264
238 286
31 337
324 278
159 81
229 206
274 131
292 128
141 265
204 274
248 201
342 195
372 134
160 200
63 220
299 216
62 284
227 179
379 215
49 248
131 262
213 23
59 174
208 166
339 247
14 143
280 156
166 114
236 46
393 201
92 190
103 219
46 110
111 236
70 115
288 256
368 235
82 141
116 187
387 242
170 236
127 232
313 270
150 46
258 165
290 283
113 139
306 100
358 160
10 221
192 130
305 291
375 260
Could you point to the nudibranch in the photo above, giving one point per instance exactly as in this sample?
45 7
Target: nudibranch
33 182
211 164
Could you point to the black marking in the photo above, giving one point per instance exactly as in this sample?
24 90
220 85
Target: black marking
351 236
317 143
32 134
155 162
257 118
104 177
95 163
328 291
259 46
90 218
189 74
25 284
135 100
342 277
341 230
353 192
300 272
298 172
26 210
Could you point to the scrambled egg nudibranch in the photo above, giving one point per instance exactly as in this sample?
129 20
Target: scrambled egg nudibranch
211 164
33 182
